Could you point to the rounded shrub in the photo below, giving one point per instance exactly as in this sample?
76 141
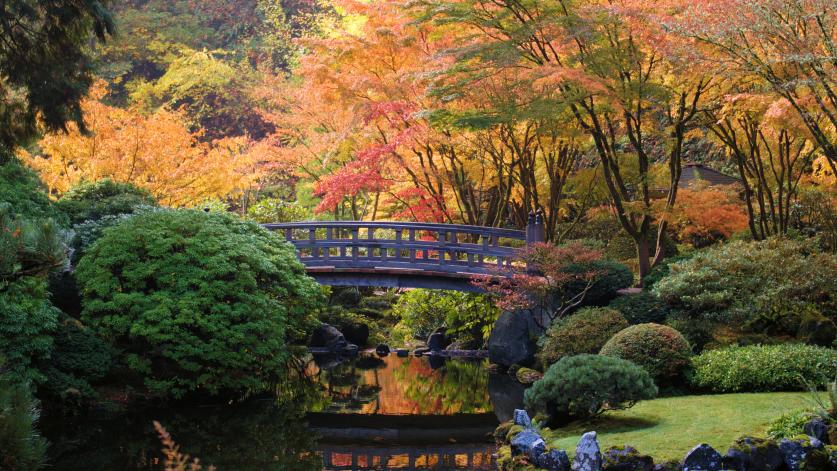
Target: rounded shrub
197 301
661 350
586 385
641 308
755 368
92 201
23 191
586 331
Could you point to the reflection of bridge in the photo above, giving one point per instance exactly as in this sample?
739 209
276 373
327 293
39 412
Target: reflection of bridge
405 254
476 456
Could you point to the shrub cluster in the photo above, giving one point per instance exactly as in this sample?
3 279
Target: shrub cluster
659 349
613 276
757 368
586 331
92 201
197 300
641 308
586 385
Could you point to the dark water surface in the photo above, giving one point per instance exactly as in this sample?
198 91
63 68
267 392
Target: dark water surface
367 413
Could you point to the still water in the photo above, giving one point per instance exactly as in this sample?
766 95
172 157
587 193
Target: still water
366 413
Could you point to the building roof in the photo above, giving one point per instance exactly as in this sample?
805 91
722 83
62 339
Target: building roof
693 173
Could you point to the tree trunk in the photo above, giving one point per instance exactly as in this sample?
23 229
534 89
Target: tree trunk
643 252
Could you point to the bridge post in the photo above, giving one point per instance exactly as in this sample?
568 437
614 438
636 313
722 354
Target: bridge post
535 229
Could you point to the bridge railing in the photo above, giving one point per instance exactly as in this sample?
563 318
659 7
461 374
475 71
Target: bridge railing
404 245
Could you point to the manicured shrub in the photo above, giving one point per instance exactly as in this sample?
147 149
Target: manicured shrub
197 301
586 331
756 368
613 276
641 308
586 385
756 285
661 350
22 448
92 201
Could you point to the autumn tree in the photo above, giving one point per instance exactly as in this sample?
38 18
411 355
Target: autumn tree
156 152
45 70
626 83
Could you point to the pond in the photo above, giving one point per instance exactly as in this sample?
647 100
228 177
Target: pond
363 413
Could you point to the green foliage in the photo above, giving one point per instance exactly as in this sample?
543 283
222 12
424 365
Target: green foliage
641 308
197 301
21 446
586 385
762 285
661 350
278 210
789 424
613 276
23 191
93 201
586 331
698 332
465 315
79 358
44 65
753 368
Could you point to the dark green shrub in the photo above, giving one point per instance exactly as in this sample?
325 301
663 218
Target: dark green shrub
757 284
697 331
197 301
641 308
21 188
816 329
586 385
79 358
91 201
755 368
21 446
661 350
613 277
586 331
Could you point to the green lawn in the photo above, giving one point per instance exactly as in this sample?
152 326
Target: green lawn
668 428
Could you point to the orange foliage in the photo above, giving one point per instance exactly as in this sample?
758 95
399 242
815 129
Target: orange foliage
705 214
156 152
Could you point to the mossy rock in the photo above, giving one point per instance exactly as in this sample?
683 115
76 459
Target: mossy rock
626 458
803 455
831 451
754 453
528 375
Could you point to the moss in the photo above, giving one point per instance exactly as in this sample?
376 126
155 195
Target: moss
752 444
528 375
507 462
502 431
513 431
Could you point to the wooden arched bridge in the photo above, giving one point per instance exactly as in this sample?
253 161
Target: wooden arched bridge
405 254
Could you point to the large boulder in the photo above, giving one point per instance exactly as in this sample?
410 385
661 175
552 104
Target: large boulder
751 454
626 458
512 340
554 460
588 456
817 428
529 443
327 336
703 458
438 340
804 454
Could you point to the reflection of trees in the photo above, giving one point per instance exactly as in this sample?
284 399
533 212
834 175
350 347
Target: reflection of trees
344 387
258 434
458 387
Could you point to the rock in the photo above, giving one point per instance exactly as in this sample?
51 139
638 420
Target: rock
626 458
382 350
329 337
817 428
804 454
554 460
528 443
438 340
751 454
671 465
832 457
702 458
402 352
512 339
522 418
588 456
528 375
421 351
356 333
350 350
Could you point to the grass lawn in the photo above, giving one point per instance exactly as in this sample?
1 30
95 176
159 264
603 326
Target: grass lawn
667 428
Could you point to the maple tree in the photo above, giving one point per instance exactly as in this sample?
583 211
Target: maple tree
156 152
704 215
